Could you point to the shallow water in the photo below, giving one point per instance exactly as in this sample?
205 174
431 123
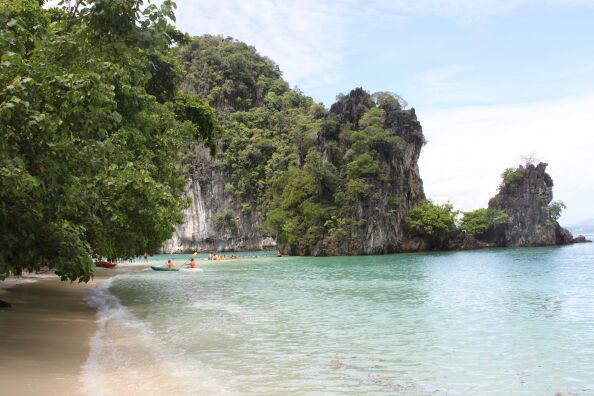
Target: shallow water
489 322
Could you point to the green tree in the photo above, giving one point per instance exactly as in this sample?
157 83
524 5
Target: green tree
92 132
432 221
479 221
509 177
556 208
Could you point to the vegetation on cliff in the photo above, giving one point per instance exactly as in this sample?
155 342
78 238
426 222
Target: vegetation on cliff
526 197
337 181
317 179
92 133
261 115
480 221
521 214
349 168
434 222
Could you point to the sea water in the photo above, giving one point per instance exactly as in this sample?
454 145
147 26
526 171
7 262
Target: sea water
485 322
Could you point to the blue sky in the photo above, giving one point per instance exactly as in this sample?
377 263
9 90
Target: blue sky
491 81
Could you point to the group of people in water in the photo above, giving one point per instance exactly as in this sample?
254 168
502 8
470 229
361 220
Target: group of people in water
215 257
191 263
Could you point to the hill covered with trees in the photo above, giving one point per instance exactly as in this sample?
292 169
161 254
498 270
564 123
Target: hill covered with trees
320 181
317 181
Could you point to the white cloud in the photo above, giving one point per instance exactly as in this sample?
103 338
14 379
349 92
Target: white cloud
305 38
468 148
472 10
308 38
453 84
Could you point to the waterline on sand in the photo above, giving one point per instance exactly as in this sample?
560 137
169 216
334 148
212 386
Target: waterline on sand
126 357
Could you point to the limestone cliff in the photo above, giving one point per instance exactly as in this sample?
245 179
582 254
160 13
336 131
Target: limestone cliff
525 196
214 220
229 191
294 175
357 162
374 217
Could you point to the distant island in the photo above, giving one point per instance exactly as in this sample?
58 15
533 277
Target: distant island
307 180
583 227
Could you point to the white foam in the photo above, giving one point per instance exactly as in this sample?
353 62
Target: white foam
191 269
237 311
126 358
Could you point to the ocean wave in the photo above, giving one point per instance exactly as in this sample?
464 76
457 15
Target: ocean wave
127 358
246 316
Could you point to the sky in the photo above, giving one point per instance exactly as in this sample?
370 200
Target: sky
492 81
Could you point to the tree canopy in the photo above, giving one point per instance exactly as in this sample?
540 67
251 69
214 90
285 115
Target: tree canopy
479 221
433 221
93 132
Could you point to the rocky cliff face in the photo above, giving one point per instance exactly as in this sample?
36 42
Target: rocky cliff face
310 181
274 133
377 216
229 191
214 220
525 197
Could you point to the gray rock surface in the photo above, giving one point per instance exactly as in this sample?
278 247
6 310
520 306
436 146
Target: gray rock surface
384 211
200 230
525 197
203 229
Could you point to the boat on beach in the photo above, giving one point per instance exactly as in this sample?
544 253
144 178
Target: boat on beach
155 268
105 264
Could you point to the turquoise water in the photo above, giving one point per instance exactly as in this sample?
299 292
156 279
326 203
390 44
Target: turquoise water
489 322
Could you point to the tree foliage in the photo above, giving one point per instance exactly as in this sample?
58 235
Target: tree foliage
556 208
432 221
229 74
509 177
92 131
480 221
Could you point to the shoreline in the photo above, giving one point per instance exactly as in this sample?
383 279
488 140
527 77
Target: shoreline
44 337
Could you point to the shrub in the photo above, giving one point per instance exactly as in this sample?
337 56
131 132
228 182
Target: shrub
246 208
363 165
481 220
432 221
509 177
556 208
224 220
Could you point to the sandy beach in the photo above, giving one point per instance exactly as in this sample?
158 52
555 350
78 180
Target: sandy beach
44 337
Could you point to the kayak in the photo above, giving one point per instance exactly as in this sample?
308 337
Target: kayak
105 264
163 268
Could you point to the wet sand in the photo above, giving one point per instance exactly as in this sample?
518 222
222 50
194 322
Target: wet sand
44 337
